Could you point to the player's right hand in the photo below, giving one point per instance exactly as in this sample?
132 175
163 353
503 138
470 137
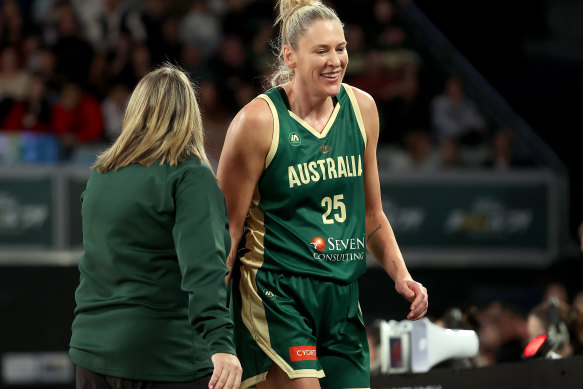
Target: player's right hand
227 372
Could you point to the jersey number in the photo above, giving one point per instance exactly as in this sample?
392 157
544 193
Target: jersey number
335 204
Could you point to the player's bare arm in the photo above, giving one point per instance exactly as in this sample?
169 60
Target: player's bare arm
241 163
381 240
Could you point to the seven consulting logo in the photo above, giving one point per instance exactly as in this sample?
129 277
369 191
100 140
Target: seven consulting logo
318 243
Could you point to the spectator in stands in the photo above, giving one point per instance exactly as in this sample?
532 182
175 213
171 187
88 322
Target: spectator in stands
113 19
13 23
454 115
404 111
504 154
77 117
33 112
557 290
563 325
421 151
74 53
113 108
216 120
13 78
141 62
153 15
201 28
171 43
503 332
194 63
578 299
374 341
233 70
449 154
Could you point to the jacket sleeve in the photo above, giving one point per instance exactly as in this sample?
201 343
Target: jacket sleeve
201 244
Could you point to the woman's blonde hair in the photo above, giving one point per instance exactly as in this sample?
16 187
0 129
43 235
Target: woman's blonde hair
294 17
162 123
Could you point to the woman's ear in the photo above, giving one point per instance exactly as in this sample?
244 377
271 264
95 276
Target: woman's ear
289 56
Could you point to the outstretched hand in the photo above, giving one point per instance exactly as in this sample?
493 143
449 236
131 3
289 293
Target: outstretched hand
415 293
227 372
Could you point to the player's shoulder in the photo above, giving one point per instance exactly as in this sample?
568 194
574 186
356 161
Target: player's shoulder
253 125
256 114
365 100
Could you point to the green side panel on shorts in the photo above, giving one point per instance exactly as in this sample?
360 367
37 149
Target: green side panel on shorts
311 196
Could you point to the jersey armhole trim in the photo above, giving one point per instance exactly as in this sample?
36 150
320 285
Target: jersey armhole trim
357 112
275 139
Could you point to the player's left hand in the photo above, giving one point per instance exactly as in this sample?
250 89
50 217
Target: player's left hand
415 293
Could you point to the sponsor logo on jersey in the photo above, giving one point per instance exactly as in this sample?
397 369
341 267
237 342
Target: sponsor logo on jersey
324 169
325 149
294 139
318 243
339 250
302 353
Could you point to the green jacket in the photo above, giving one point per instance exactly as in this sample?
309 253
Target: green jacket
151 301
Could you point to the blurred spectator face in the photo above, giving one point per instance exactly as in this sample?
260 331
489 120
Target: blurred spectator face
578 300
70 96
10 9
354 37
209 95
36 89
171 30
449 150
375 62
409 87
244 94
501 143
110 5
67 21
394 36
119 94
535 327
141 59
47 62
156 7
557 290
454 90
232 51
9 60
191 55
383 11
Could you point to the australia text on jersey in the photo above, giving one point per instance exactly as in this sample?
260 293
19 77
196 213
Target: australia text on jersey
324 169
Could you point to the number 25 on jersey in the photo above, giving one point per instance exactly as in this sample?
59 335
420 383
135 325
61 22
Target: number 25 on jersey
335 205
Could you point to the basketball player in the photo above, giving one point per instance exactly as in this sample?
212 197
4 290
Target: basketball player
299 175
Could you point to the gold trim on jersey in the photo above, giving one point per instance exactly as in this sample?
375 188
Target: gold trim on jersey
254 318
311 129
356 109
304 373
275 139
255 236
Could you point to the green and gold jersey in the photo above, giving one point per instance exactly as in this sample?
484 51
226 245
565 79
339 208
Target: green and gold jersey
307 215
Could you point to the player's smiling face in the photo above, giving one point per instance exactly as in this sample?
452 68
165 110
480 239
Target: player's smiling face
321 57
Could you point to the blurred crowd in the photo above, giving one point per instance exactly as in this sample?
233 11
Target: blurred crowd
510 327
510 332
67 68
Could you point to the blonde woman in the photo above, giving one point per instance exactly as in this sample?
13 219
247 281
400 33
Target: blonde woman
299 172
151 300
